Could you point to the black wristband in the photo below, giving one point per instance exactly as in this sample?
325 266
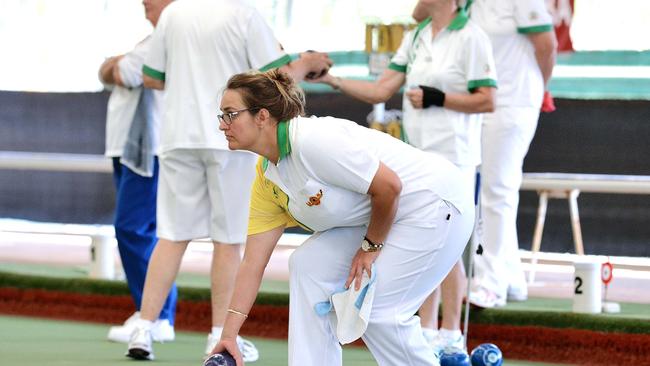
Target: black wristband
432 96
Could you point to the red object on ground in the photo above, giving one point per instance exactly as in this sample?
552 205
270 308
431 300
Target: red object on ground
548 105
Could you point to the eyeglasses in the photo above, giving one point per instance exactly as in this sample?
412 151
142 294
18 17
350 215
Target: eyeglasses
228 117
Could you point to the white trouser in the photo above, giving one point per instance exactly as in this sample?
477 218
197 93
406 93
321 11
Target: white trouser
506 136
412 263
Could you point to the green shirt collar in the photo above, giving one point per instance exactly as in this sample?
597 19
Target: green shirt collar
460 20
457 23
284 145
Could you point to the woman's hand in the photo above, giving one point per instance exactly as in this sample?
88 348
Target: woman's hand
362 261
415 96
231 346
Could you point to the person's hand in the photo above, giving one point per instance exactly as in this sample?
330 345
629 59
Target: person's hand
325 78
318 64
423 96
230 345
362 261
117 76
548 105
415 96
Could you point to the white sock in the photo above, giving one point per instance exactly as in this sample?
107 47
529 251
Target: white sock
450 334
429 334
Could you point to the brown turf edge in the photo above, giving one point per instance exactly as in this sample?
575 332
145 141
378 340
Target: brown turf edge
533 343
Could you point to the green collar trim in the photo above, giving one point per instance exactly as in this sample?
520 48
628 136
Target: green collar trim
421 26
457 23
460 20
283 139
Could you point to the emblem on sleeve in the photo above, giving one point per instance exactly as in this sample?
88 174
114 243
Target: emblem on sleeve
315 199
533 15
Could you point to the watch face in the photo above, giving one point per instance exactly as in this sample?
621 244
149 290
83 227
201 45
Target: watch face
367 247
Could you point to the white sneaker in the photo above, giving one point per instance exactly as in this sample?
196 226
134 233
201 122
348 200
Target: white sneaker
485 299
161 331
248 350
140 347
442 341
122 333
517 293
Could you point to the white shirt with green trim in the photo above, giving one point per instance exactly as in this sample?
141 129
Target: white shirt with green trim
457 60
327 164
124 100
196 46
507 22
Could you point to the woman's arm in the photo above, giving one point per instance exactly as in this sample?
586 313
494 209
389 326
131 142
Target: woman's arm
259 248
481 100
384 192
372 92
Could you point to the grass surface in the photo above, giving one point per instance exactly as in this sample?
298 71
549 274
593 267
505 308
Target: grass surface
36 342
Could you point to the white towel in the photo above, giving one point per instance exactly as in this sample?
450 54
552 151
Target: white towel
352 309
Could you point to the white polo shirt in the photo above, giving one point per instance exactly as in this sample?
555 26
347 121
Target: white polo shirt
196 46
124 100
457 60
325 169
507 22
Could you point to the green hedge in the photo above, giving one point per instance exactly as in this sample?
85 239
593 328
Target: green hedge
552 319
114 288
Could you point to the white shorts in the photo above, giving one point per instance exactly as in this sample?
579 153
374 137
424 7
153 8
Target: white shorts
205 193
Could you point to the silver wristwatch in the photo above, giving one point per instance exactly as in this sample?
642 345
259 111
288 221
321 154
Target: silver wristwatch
368 246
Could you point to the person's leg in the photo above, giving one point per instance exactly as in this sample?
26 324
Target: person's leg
506 135
429 315
161 273
451 291
452 294
317 269
183 214
410 256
